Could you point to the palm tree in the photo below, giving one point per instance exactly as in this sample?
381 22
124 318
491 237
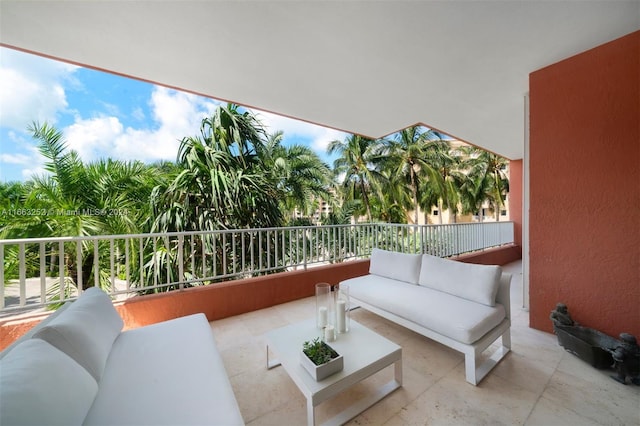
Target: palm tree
357 163
473 193
409 154
447 163
297 172
11 194
429 197
489 172
74 192
396 200
221 184
78 199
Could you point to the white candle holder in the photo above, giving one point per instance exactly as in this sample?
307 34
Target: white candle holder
329 333
324 305
343 309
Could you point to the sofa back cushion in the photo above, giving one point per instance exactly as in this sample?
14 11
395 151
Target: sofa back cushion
86 330
40 385
394 265
478 283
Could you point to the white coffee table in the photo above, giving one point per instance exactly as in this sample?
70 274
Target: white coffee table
365 353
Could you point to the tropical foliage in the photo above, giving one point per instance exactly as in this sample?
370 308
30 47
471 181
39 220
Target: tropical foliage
74 199
235 175
356 168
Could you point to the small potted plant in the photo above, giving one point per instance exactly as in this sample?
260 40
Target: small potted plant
320 359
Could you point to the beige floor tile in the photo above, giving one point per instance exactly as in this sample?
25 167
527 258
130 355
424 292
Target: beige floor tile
245 356
454 401
396 420
414 384
297 310
430 358
537 384
525 372
536 345
259 322
519 317
591 393
260 391
550 413
230 331
291 413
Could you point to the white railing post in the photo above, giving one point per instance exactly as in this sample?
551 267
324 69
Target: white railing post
127 263
96 264
61 269
22 272
112 265
43 273
141 267
79 284
181 261
304 250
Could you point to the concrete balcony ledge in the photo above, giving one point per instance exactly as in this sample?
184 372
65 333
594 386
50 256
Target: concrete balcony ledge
236 297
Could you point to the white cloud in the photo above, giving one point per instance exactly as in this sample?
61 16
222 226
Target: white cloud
31 88
15 158
323 138
93 138
25 160
34 171
138 114
176 115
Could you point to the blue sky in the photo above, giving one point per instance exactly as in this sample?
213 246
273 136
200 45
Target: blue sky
104 115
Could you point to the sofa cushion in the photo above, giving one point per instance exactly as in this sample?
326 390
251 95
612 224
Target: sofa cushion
478 283
86 330
394 265
172 375
41 385
446 314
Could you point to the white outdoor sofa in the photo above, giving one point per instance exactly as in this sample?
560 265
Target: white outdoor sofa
79 367
463 306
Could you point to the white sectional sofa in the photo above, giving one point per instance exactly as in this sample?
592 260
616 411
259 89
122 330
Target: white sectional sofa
79 367
463 306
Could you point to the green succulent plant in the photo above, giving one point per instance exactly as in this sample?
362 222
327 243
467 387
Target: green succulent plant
318 351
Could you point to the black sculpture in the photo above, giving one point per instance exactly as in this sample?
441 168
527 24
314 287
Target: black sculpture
626 359
561 316
588 344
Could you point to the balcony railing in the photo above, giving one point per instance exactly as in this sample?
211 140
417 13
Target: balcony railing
38 272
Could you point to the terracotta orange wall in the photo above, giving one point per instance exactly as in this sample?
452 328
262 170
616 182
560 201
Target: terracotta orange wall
495 256
585 188
215 301
237 297
13 329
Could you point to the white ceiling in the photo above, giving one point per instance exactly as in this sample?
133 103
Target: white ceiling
369 67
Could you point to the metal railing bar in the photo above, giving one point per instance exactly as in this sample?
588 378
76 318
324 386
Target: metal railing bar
307 245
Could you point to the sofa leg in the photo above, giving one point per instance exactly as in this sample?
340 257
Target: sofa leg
506 339
470 367
474 372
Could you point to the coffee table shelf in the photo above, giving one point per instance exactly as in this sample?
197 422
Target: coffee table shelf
365 353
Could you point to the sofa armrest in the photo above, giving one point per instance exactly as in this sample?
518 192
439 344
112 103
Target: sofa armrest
504 293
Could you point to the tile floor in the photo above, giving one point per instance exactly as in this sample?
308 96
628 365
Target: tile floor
537 384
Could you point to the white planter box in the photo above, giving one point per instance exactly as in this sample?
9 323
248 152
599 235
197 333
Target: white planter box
320 372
